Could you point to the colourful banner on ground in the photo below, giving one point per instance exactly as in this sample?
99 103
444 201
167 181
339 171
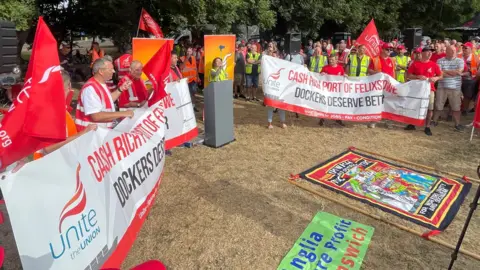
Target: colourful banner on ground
329 242
82 206
222 46
144 48
181 124
425 199
293 87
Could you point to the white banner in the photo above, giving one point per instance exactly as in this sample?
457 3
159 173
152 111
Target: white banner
82 206
181 125
293 87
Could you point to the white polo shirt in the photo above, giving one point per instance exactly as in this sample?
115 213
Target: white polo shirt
92 103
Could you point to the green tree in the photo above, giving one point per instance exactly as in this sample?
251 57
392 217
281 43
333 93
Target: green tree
21 12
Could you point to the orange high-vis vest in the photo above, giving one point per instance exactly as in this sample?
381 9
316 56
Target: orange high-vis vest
96 55
122 65
377 65
71 130
201 64
82 120
473 65
189 70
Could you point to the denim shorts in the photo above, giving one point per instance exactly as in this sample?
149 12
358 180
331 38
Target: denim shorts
252 80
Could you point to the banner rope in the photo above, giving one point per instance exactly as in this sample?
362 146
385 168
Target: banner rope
465 178
377 217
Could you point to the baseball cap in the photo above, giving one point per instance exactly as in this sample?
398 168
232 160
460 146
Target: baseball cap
427 48
401 47
386 45
418 50
468 44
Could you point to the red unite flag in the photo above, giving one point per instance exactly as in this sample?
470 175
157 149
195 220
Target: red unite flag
149 25
370 39
36 118
158 71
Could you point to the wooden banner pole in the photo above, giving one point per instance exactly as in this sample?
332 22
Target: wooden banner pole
418 165
377 217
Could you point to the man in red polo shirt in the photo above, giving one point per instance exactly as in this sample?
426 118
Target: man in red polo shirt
383 63
333 68
425 69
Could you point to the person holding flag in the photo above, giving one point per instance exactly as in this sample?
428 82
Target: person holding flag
137 94
96 103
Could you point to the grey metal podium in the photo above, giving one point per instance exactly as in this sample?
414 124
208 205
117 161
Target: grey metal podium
218 109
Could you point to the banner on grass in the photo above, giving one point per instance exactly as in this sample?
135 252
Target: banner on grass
82 206
329 242
293 87
425 199
181 125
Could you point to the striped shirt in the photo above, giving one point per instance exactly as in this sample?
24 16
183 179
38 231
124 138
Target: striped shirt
454 82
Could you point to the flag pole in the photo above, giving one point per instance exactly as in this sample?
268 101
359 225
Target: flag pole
139 20
471 135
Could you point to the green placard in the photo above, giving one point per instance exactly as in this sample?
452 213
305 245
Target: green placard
329 242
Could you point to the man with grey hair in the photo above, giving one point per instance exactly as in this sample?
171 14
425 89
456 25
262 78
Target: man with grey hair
95 103
137 93
110 83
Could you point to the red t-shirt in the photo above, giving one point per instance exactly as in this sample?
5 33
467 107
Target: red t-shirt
436 56
330 70
428 69
387 66
136 93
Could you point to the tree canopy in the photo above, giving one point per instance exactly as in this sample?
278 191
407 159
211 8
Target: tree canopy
118 19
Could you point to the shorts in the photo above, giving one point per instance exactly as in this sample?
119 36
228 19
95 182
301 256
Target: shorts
239 79
454 97
192 87
431 101
468 89
252 80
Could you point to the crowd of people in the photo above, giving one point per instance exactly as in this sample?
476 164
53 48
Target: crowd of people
450 66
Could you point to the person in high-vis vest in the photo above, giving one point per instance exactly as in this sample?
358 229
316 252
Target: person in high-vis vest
383 64
402 62
342 53
137 94
122 63
189 71
71 130
99 52
95 103
358 63
317 61
218 73
470 76
175 73
252 72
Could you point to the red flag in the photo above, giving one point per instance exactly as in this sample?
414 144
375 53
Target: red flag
476 118
37 116
370 39
148 24
157 71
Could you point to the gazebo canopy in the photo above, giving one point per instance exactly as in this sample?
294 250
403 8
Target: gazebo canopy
471 25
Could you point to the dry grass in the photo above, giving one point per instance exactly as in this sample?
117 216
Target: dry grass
232 207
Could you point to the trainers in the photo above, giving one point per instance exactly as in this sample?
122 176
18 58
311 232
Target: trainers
243 96
428 132
371 125
321 122
388 125
459 128
410 127
235 97
339 122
